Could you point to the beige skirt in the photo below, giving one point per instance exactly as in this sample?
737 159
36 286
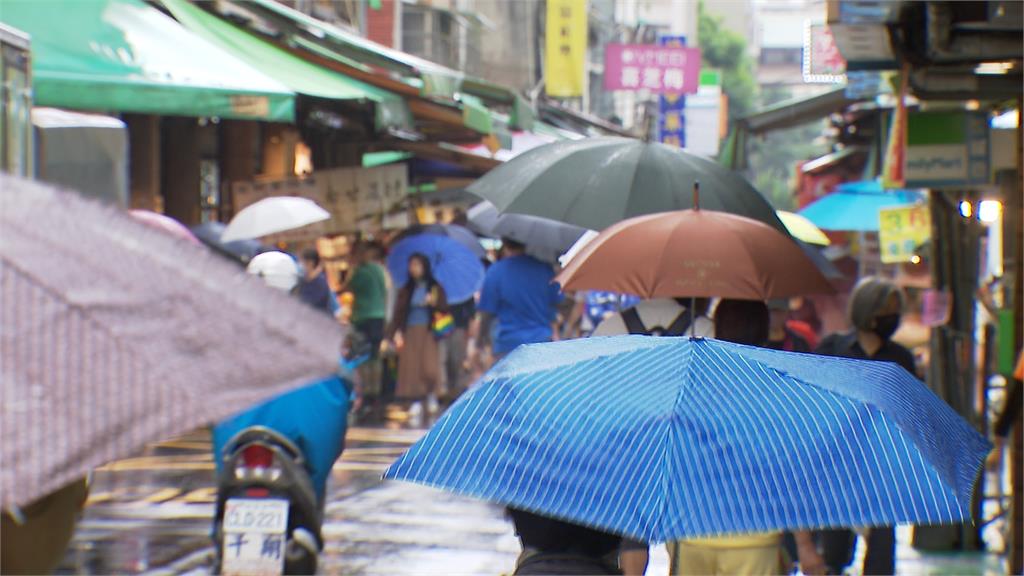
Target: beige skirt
418 364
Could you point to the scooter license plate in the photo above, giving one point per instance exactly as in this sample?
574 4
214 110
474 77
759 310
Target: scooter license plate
254 537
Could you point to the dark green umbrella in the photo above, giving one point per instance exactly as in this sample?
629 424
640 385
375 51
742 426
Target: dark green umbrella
596 182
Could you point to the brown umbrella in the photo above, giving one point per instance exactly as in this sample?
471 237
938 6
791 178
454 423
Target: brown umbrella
696 253
115 334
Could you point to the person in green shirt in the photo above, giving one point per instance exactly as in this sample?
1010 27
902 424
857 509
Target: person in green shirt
369 287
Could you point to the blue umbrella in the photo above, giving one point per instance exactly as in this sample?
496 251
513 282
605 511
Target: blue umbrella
854 206
459 233
454 266
668 438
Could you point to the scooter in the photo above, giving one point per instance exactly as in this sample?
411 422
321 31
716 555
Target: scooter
268 518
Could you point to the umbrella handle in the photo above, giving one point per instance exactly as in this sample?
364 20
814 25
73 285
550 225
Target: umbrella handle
696 195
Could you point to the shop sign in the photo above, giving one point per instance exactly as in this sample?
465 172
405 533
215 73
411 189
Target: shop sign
947 149
565 48
657 69
902 230
823 63
672 107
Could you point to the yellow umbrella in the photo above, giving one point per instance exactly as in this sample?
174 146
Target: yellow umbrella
803 229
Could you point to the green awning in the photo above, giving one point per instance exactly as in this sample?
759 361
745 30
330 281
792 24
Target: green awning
372 159
475 115
126 56
437 80
299 75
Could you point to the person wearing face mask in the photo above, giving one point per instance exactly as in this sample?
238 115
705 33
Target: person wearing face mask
875 309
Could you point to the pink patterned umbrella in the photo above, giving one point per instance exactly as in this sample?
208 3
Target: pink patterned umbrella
165 223
115 335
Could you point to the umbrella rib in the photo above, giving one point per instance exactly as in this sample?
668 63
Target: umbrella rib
686 368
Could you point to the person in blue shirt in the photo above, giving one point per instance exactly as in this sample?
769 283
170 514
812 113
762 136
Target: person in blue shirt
519 292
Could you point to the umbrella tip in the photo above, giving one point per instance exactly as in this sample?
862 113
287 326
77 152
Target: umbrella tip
696 195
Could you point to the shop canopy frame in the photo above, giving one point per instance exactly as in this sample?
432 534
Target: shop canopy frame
301 76
430 79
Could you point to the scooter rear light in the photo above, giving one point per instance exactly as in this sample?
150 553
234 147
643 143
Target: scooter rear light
257 456
257 492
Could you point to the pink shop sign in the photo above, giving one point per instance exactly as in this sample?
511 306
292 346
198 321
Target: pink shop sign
657 69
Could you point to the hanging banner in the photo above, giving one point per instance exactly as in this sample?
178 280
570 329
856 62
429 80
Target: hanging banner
672 107
894 170
657 69
565 48
902 230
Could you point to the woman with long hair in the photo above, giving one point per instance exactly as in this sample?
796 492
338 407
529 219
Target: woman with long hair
419 372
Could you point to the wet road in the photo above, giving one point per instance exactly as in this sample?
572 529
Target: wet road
151 514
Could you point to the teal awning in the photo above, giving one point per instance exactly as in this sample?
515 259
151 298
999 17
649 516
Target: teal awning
126 56
371 159
298 74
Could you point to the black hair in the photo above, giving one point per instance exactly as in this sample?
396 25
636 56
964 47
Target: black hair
311 255
742 322
428 274
513 244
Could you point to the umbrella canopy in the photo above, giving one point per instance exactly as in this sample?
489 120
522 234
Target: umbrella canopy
825 266
458 233
668 438
803 229
165 223
273 215
544 239
694 253
596 182
854 207
211 233
115 335
454 266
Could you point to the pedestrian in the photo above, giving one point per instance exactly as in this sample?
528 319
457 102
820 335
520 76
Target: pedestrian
313 288
519 292
419 358
368 285
874 312
557 547
780 335
660 317
743 322
455 347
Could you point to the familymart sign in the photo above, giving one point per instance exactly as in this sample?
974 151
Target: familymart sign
947 149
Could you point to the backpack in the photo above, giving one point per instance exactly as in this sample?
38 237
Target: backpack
635 325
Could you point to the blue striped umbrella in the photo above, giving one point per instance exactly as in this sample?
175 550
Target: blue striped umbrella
668 438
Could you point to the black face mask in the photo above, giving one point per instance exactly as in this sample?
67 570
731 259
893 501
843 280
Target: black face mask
886 326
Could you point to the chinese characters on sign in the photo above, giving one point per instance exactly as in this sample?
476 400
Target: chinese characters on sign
565 48
902 230
672 106
660 69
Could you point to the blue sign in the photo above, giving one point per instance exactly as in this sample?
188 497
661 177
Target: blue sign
672 107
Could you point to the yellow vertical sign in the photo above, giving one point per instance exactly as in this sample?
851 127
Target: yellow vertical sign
565 48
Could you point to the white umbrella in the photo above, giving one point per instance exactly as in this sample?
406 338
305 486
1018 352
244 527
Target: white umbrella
273 215
580 244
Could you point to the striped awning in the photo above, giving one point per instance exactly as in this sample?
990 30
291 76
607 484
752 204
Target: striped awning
668 438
